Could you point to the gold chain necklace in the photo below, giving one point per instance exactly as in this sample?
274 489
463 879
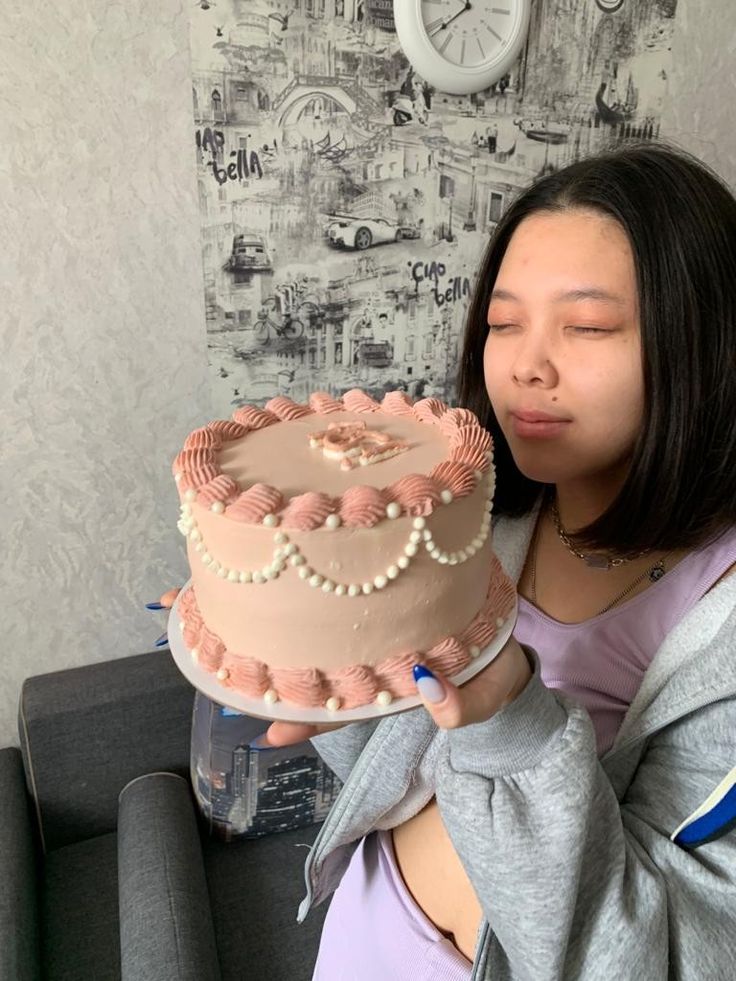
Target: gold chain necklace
590 558
654 572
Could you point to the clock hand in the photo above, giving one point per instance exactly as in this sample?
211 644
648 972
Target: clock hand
466 6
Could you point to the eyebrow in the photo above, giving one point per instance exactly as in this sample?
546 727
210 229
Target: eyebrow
582 293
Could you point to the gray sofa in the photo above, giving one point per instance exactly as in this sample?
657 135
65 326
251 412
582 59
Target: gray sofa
107 870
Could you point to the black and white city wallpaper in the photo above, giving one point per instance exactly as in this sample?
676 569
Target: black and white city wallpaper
345 204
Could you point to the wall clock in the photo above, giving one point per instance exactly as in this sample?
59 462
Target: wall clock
461 46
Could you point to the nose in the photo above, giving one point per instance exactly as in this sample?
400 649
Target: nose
532 364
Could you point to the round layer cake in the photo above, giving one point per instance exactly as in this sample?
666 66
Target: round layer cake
336 544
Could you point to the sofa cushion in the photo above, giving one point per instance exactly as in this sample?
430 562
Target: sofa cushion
255 888
86 732
80 925
20 954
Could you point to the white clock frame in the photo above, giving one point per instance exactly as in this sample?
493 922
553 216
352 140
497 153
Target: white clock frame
444 75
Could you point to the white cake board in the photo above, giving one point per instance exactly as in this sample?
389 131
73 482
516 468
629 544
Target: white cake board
206 682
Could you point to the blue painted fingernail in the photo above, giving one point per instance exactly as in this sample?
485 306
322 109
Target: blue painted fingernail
429 687
155 606
162 641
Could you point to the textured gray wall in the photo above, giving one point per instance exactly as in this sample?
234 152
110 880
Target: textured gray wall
104 366
700 114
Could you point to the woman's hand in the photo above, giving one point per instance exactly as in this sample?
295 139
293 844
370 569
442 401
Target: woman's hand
480 698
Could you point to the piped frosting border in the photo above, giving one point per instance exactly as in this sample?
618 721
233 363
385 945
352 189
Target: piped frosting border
353 685
200 478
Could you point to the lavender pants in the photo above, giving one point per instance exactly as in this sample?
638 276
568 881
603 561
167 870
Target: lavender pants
374 929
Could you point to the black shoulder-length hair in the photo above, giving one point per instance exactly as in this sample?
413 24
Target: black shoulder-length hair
680 219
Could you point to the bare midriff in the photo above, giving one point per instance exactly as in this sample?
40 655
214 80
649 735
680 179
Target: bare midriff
436 879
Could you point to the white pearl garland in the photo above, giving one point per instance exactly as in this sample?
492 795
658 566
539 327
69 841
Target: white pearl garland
287 553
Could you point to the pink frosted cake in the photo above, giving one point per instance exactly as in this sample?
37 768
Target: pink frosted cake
334 545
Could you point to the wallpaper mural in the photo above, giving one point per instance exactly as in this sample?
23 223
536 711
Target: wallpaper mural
345 204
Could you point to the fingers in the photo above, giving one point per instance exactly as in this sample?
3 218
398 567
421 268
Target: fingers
169 598
477 700
289 733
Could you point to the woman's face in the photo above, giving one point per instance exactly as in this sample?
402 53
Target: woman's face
562 361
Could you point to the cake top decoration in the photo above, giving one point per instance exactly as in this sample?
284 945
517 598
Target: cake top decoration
354 444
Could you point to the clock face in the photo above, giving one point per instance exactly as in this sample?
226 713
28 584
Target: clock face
462 46
469 34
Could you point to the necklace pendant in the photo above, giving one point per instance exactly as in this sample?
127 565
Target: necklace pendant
596 561
656 572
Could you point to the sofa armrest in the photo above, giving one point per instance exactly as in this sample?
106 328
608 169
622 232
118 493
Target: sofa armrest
86 732
20 958
166 929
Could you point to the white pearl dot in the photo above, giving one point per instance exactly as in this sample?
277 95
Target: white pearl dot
222 572
473 650
177 477
446 497
199 547
333 521
270 521
290 549
500 621
470 551
332 704
419 523
478 542
190 495
411 550
315 580
453 558
340 590
328 586
427 535
214 566
383 698
353 589
195 654
278 565
232 576
246 577
367 588
305 572
258 576
270 573
222 674
393 510
280 538
270 696
443 558
478 474
186 509
380 582
416 536
392 572
435 553
206 558
403 562
195 534
297 560
218 507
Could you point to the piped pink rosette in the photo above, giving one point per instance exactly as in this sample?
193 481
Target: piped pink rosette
354 685
197 468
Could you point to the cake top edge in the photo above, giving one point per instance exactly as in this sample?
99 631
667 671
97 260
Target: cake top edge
201 480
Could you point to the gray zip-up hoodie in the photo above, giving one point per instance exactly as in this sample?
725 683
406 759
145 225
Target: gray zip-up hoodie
570 855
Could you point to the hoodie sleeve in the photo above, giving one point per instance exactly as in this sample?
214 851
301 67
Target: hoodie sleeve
341 748
575 884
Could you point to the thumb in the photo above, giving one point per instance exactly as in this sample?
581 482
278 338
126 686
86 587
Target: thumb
441 698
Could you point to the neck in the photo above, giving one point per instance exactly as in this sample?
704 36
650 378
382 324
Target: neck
579 502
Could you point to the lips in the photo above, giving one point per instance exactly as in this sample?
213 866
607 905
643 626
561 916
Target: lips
531 415
533 424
